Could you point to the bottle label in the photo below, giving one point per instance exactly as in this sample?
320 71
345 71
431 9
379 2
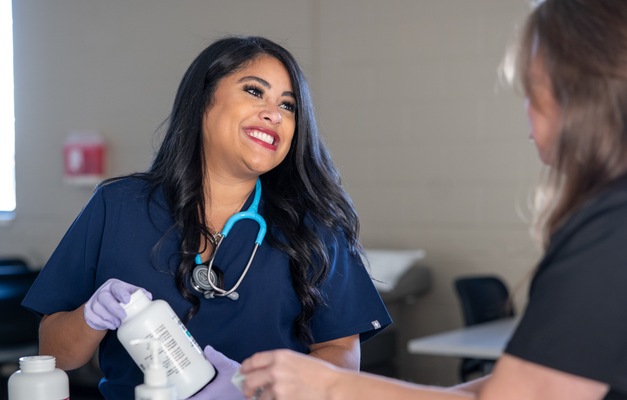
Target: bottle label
174 358
171 352
186 332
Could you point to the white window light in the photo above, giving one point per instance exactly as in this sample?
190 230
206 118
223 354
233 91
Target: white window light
7 118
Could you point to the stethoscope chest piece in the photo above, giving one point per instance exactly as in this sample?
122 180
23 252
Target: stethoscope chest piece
200 280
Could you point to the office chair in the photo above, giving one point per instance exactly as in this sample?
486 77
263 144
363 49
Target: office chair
20 327
483 299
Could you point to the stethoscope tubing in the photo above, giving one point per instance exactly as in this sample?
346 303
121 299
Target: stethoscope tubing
253 214
222 292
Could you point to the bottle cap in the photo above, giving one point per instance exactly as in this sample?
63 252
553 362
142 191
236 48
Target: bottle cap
37 363
137 303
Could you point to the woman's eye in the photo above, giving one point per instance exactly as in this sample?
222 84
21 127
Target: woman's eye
291 107
254 90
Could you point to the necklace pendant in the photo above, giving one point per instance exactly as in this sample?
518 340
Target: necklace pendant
214 238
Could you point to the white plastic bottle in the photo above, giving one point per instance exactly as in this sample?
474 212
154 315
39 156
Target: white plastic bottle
185 363
155 386
38 379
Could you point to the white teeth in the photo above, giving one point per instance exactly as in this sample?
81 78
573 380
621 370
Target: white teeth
262 136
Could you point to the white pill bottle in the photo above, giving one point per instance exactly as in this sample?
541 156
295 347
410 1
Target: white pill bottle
38 379
184 361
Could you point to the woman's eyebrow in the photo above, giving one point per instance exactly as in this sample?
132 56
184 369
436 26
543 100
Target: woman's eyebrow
257 79
265 83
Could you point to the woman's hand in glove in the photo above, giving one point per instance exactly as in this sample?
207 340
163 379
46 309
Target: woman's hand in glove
221 388
103 310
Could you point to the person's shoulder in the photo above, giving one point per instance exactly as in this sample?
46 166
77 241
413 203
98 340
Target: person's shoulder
611 199
325 231
128 188
131 194
602 217
610 206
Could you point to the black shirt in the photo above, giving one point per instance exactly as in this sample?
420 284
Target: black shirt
576 319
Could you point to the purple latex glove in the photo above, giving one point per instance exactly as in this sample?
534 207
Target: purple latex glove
103 310
221 388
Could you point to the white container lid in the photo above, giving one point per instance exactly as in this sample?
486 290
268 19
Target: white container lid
136 304
37 363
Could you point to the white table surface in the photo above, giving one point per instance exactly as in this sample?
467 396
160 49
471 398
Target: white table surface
388 266
487 340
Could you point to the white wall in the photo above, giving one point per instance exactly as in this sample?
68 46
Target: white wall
432 154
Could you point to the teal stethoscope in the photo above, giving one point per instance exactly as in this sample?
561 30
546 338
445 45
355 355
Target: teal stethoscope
204 278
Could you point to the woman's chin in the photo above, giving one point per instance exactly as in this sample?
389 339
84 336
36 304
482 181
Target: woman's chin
260 165
547 158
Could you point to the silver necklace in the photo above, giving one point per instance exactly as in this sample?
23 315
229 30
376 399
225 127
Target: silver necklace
213 239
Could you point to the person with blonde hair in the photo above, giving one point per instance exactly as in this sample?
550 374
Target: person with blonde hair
571 343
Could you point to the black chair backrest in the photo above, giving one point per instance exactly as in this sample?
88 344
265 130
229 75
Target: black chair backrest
483 299
19 325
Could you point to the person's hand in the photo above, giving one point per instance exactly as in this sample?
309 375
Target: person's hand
103 310
287 375
221 388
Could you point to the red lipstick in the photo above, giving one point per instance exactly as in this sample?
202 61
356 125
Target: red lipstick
260 135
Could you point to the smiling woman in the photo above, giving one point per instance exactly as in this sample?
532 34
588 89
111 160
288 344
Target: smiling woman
242 120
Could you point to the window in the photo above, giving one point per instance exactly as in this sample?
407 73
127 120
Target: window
7 119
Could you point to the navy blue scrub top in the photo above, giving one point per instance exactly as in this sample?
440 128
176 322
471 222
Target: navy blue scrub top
115 237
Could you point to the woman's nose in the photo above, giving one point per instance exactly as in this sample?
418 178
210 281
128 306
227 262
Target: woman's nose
271 115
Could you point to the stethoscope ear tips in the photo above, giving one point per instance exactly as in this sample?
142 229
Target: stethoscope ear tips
233 296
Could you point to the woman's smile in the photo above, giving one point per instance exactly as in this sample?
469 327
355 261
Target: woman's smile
263 136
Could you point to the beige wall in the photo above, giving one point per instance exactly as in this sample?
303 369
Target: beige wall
432 153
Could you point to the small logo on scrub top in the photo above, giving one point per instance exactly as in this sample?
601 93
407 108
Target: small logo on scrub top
376 324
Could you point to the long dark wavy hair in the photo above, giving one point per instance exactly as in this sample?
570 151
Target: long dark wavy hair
305 184
583 48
